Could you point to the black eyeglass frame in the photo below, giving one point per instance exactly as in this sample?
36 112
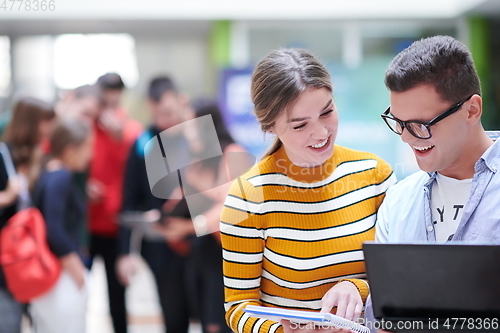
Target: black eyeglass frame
427 125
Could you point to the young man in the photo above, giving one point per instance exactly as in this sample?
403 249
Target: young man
169 108
436 108
114 133
83 103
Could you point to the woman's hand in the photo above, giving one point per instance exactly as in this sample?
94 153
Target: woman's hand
126 267
110 122
289 327
9 195
96 190
345 296
175 228
75 268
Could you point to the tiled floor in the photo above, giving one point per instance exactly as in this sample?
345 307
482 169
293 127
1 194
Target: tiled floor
142 303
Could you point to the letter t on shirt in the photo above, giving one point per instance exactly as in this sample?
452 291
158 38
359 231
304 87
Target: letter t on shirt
448 199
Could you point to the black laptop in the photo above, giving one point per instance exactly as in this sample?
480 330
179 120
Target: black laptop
446 287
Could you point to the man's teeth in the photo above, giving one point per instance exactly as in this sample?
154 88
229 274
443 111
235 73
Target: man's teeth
319 145
423 148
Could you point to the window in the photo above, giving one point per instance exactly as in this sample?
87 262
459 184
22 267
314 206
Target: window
5 72
81 58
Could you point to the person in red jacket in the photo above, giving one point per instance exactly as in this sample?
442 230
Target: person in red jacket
114 134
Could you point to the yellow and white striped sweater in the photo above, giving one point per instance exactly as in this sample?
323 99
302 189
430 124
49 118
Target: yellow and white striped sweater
290 233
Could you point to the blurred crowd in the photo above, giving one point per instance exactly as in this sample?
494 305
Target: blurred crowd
81 162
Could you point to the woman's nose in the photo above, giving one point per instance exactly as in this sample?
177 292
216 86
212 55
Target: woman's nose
320 131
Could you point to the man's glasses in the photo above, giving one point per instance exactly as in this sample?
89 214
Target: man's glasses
417 128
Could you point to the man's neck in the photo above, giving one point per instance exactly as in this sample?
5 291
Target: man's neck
471 154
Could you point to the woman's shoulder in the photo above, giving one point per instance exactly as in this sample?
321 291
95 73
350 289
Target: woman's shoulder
56 177
345 154
244 183
349 153
266 166
364 160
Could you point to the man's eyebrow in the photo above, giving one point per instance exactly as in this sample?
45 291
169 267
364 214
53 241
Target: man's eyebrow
304 118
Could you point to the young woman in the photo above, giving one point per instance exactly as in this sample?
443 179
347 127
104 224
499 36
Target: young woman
293 225
29 126
62 204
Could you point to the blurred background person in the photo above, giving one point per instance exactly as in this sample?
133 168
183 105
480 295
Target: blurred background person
113 116
112 87
166 260
114 134
83 103
207 180
30 124
62 203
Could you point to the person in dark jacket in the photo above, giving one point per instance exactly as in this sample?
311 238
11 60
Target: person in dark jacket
196 217
62 203
166 260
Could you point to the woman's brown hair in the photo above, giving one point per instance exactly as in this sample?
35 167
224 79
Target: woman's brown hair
277 82
68 132
23 134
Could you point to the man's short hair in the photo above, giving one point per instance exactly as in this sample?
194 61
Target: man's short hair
441 61
87 90
110 81
159 86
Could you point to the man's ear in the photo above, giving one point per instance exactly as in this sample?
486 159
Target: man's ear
151 104
475 108
183 99
187 111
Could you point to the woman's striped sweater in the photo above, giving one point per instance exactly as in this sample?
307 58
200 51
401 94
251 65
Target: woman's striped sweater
289 233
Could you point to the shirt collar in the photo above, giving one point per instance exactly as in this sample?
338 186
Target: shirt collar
432 176
489 160
491 157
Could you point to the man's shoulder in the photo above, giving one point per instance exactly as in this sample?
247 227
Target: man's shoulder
411 183
401 214
133 129
139 145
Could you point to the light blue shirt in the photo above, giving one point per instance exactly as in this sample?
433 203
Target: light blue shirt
405 214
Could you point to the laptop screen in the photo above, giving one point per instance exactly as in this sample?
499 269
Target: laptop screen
433 280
